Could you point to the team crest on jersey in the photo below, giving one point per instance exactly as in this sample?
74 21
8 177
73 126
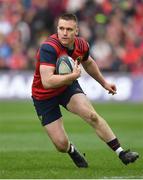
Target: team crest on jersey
79 59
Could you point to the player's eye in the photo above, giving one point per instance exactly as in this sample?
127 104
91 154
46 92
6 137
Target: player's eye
69 29
61 28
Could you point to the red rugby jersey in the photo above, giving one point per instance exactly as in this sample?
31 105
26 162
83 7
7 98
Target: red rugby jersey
80 52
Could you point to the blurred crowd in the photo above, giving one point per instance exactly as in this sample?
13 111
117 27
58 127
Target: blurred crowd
113 28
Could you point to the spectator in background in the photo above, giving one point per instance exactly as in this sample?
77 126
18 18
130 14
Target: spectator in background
40 19
102 52
18 60
5 25
5 52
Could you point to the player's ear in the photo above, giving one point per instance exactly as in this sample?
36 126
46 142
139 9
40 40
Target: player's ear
57 28
77 31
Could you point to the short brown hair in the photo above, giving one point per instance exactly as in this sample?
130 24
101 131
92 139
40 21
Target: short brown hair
68 16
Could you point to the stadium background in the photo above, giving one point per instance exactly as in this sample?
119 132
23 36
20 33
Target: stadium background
114 30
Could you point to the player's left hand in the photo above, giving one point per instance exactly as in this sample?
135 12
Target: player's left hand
111 88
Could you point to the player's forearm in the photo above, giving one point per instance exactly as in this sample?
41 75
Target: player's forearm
56 81
93 70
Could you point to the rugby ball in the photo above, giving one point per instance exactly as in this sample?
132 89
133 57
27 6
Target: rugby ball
64 65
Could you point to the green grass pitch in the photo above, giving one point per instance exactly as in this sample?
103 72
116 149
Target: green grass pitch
26 151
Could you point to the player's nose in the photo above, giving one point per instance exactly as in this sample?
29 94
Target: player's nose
65 32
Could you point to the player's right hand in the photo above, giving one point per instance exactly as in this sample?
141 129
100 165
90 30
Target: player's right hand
76 70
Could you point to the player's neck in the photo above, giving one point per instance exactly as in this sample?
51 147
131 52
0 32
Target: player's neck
70 46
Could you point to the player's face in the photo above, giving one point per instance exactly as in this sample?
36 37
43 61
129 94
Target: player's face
67 30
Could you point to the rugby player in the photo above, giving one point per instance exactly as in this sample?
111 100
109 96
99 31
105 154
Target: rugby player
50 90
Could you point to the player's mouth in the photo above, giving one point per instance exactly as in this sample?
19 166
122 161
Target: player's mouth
65 38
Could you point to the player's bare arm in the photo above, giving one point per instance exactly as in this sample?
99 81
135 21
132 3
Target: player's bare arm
92 69
51 80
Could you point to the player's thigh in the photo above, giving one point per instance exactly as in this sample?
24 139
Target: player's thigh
80 105
47 110
56 132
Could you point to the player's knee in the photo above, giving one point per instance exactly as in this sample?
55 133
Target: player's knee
94 118
62 145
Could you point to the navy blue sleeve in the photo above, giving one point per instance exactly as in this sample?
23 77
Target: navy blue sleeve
48 54
86 55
